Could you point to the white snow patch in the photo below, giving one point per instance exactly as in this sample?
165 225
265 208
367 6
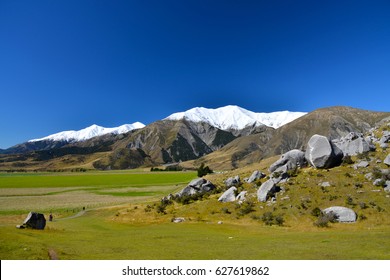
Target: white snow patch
234 117
89 132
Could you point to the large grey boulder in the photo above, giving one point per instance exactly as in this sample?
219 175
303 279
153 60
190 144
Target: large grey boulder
269 188
289 161
387 160
354 144
343 214
256 175
232 181
34 220
199 185
321 153
229 195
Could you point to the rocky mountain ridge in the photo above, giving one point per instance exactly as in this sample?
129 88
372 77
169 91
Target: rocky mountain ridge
180 141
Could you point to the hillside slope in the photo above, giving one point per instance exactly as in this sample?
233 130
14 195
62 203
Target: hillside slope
333 122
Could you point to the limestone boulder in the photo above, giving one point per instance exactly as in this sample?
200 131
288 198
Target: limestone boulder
256 175
289 161
354 144
229 195
196 186
34 221
232 181
321 153
387 160
241 196
269 188
343 214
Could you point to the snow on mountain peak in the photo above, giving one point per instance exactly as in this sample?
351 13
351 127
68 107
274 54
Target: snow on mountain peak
234 117
89 132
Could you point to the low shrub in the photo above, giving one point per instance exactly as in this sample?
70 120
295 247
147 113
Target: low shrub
270 219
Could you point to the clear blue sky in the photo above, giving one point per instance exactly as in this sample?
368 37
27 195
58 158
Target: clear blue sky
69 64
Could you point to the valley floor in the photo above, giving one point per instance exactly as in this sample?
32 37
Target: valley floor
132 228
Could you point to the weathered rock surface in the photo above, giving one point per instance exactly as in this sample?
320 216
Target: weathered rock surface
361 164
34 220
229 195
344 214
289 161
256 175
325 184
232 181
321 153
354 144
199 185
241 196
178 220
387 160
267 189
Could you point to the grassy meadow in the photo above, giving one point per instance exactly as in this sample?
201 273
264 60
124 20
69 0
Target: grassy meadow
122 220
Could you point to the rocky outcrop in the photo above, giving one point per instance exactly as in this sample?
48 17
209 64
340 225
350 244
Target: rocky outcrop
229 195
256 175
196 186
269 188
289 161
321 153
354 144
232 181
343 214
241 196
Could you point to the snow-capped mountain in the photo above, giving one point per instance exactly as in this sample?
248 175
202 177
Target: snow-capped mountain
234 117
89 132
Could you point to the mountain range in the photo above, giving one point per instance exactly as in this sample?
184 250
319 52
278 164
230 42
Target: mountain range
224 138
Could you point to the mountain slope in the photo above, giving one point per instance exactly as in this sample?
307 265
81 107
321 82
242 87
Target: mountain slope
235 118
333 122
89 132
61 139
169 141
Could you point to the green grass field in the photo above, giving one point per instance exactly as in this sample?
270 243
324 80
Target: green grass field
70 191
121 221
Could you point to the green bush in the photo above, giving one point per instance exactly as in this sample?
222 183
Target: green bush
245 208
316 212
324 219
270 219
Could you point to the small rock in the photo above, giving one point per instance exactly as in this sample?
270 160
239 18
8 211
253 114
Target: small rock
378 182
362 164
220 222
256 175
232 181
325 184
387 160
241 196
369 176
178 220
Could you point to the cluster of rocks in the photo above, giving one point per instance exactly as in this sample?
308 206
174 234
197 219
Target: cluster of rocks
195 187
232 183
355 143
320 153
